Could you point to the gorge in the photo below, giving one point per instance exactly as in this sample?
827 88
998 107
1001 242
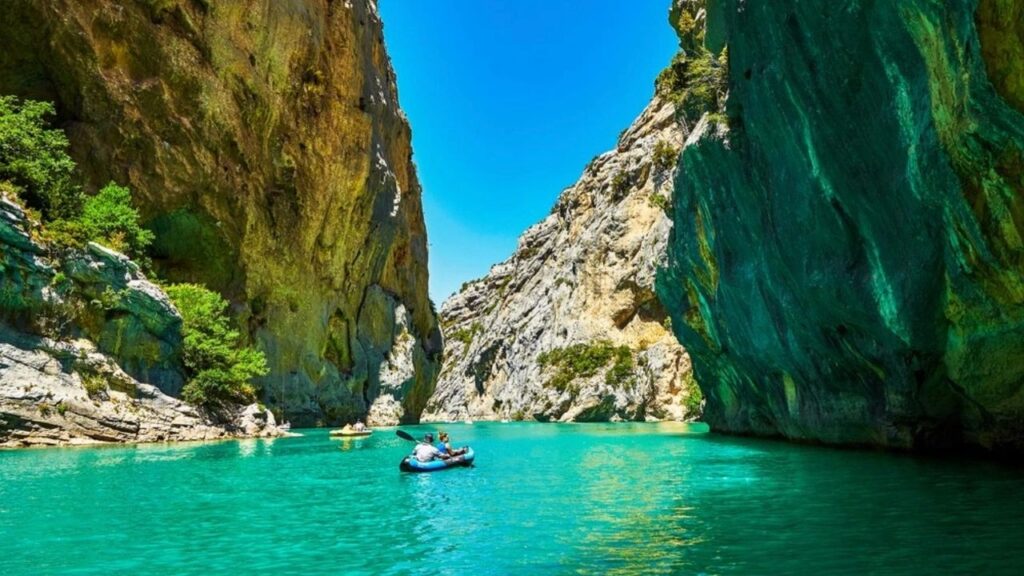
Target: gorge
820 203
776 328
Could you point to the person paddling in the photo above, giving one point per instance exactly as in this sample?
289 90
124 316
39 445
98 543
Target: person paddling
425 451
444 447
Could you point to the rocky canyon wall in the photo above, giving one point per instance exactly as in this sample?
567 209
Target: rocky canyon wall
846 259
266 149
569 328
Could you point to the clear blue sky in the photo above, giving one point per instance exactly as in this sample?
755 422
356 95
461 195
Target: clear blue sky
508 101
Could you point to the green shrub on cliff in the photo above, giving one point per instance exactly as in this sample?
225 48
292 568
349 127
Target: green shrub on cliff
620 375
34 159
696 82
110 219
585 360
693 401
466 335
621 183
665 156
35 166
220 366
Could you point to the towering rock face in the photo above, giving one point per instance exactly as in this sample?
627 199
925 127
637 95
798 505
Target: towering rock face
265 145
845 264
568 328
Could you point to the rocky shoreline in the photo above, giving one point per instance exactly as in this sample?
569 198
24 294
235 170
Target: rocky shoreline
89 351
44 404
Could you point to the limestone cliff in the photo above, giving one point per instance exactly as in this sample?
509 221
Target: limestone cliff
90 350
266 149
846 260
569 328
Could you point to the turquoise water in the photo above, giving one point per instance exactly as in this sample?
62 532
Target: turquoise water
543 499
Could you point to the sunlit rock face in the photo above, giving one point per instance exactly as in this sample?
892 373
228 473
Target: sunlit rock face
583 277
846 260
264 143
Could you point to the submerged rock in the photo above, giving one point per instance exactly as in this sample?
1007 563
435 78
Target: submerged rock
569 328
845 264
266 150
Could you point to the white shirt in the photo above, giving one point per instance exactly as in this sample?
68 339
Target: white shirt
425 452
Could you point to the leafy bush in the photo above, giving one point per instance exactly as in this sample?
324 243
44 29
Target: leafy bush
34 159
620 375
583 361
466 335
665 156
621 183
696 83
109 218
220 366
661 201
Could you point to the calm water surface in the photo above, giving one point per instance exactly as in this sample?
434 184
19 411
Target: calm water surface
543 499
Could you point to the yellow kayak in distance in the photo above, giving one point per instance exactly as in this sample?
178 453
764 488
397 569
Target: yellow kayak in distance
342 433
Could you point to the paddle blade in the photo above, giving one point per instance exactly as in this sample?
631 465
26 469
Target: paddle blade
405 435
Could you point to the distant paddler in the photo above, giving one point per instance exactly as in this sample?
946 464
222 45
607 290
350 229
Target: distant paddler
350 431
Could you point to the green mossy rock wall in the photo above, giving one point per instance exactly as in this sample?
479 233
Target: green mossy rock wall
266 149
847 262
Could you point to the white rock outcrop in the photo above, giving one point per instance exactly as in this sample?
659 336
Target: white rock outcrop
582 276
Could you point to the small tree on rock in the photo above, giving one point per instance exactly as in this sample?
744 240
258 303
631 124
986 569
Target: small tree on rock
221 367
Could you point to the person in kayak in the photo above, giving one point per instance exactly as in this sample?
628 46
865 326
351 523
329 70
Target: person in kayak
425 451
444 447
359 427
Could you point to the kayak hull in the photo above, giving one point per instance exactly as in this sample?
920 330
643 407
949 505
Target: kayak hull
353 434
409 464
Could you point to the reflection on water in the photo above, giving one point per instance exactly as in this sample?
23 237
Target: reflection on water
562 499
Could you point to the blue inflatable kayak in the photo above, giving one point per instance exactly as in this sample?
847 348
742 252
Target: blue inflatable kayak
410 464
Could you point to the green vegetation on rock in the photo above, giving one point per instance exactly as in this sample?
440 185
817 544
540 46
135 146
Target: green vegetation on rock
621 183
109 218
694 400
35 167
620 375
585 360
466 335
665 156
697 83
221 367
661 201
34 161
94 384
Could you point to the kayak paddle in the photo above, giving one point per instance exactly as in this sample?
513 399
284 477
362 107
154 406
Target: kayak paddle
405 436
